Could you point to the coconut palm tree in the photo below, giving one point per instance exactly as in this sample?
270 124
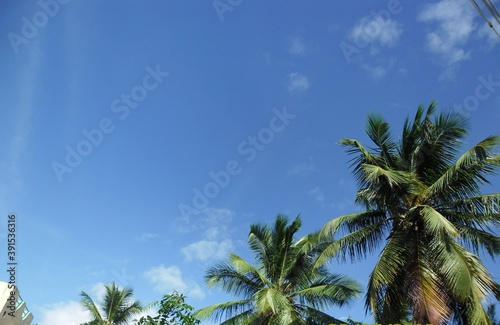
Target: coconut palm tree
117 306
423 201
282 287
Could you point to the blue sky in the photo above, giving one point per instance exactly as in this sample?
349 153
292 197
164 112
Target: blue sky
116 115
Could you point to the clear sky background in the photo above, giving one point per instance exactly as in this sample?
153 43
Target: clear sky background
115 114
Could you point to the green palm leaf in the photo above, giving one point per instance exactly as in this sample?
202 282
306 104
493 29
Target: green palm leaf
284 286
423 201
118 306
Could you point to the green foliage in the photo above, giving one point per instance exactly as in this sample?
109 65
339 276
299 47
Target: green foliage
283 286
117 306
172 310
422 199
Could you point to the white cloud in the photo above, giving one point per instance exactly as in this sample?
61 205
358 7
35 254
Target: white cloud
376 33
72 312
214 232
63 313
376 30
213 216
146 236
196 291
455 23
302 168
205 250
491 37
97 292
167 279
379 70
298 82
213 222
297 46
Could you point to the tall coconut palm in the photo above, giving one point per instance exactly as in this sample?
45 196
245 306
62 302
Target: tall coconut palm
423 201
117 306
282 287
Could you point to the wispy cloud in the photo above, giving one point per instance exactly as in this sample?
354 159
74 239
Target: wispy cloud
21 124
97 292
455 23
296 46
206 250
302 168
146 236
214 232
216 216
376 31
377 72
210 220
491 37
318 195
214 225
380 69
298 82
167 279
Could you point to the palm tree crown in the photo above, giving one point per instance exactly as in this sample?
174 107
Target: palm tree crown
283 287
117 306
423 201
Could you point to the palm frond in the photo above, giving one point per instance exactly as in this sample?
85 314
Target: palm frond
270 300
476 239
385 293
377 176
313 316
435 223
259 240
468 172
90 305
361 156
379 132
284 266
428 199
226 309
365 231
332 290
232 281
409 138
243 267
482 209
